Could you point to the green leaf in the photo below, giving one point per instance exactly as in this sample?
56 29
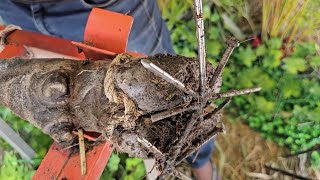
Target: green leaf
135 168
315 90
272 59
261 50
265 82
246 56
315 61
264 105
315 159
214 48
304 49
293 65
274 43
214 34
290 88
113 163
215 17
206 12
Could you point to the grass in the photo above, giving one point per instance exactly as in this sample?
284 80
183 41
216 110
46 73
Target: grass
292 20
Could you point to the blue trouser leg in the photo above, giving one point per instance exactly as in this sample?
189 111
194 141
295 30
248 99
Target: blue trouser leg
204 155
149 34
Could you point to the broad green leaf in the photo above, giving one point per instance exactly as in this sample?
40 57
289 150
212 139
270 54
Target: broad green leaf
272 59
264 105
214 34
215 17
206 12
135 168
304 49
265 82
294 65
214 48
315 90
290 88
261 50
113 163
315 61
246 56
274 43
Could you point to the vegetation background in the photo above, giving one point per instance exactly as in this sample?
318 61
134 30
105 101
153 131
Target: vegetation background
283 58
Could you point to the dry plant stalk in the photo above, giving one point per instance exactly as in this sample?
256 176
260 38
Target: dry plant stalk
82 150
284 19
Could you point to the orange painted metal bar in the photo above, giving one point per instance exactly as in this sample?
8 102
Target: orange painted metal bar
96 160
108 30
62 163
94 53
49 43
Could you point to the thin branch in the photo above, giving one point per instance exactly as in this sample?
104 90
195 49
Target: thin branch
196 156
221 106
236 92
148 145
166 76
182 176
287 173
302 152
171 112
232 43
201 44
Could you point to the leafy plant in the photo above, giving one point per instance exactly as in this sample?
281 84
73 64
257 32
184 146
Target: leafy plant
287 108
120 166
12 168
32 135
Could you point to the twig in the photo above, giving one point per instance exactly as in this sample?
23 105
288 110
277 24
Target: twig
172 112
246 40
209 137
232 43
302 152
166 76
196 156
71 146
82 153
180 175
258 175
221 106
148 145
235 93
177 148
286 173
201 44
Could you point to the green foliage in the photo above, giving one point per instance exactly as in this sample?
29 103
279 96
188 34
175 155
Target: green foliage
12 168
287 109
316 159
134 168
32 135
120 166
